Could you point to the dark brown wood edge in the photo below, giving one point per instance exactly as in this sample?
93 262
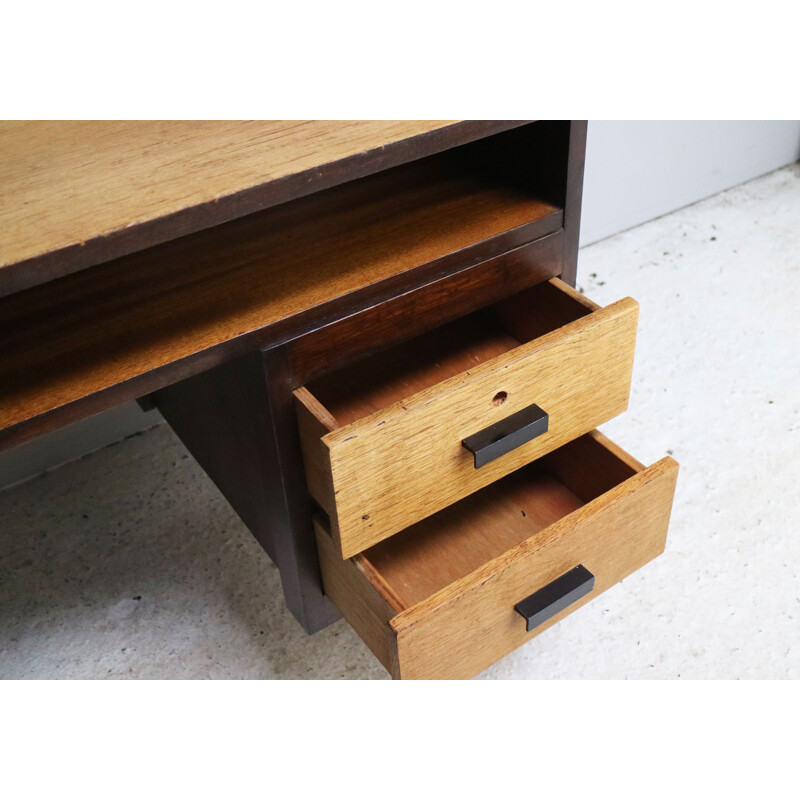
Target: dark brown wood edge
283 330
417 310
574 197
56 264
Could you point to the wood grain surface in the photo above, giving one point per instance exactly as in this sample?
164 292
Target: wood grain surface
459 592
396 455
471 624
75 194
117 331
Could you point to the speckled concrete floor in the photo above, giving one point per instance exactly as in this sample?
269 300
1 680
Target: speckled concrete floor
128 563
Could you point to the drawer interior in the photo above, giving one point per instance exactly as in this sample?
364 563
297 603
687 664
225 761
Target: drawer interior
444 548
377 381
439 599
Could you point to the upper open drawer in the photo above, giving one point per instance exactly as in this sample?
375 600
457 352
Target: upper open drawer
395 437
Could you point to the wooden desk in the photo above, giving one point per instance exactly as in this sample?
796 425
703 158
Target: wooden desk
214 268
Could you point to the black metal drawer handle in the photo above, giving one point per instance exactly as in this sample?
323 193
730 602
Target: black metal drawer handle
556 596
506 435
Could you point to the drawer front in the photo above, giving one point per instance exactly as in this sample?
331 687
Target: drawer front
377 476
470 624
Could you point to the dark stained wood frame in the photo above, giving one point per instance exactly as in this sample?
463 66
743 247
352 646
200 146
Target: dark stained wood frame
238 420
232 406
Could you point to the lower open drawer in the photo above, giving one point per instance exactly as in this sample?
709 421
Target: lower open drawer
438 599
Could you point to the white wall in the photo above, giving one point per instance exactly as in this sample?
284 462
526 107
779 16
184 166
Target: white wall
635 171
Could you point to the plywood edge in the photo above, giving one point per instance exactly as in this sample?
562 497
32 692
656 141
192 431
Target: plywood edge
364 607
664 470
577 296
626 309
309 403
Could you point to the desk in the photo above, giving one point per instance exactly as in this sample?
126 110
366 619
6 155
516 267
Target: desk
214 269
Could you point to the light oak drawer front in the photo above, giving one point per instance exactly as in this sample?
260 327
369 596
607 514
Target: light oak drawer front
382 438
438 600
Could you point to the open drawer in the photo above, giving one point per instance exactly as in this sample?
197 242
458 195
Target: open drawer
398 436
454 593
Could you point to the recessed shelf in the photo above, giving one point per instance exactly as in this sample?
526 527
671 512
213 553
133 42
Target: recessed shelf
187 305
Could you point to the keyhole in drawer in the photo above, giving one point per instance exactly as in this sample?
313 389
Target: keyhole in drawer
499 398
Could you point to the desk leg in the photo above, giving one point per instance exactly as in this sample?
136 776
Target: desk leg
238 422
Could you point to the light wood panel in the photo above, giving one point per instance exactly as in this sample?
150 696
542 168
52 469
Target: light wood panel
400 457
188 305
458 594
313 422
591 465
78 193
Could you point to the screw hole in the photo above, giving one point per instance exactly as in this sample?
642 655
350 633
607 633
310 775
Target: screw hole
499 398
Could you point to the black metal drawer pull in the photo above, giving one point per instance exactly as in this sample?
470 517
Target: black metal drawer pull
506 435
556 596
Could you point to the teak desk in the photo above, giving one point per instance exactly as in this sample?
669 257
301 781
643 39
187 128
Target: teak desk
365 333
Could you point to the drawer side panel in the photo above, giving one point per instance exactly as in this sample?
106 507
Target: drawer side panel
358 601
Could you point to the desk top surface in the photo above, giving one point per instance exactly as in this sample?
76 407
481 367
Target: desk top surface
75 194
